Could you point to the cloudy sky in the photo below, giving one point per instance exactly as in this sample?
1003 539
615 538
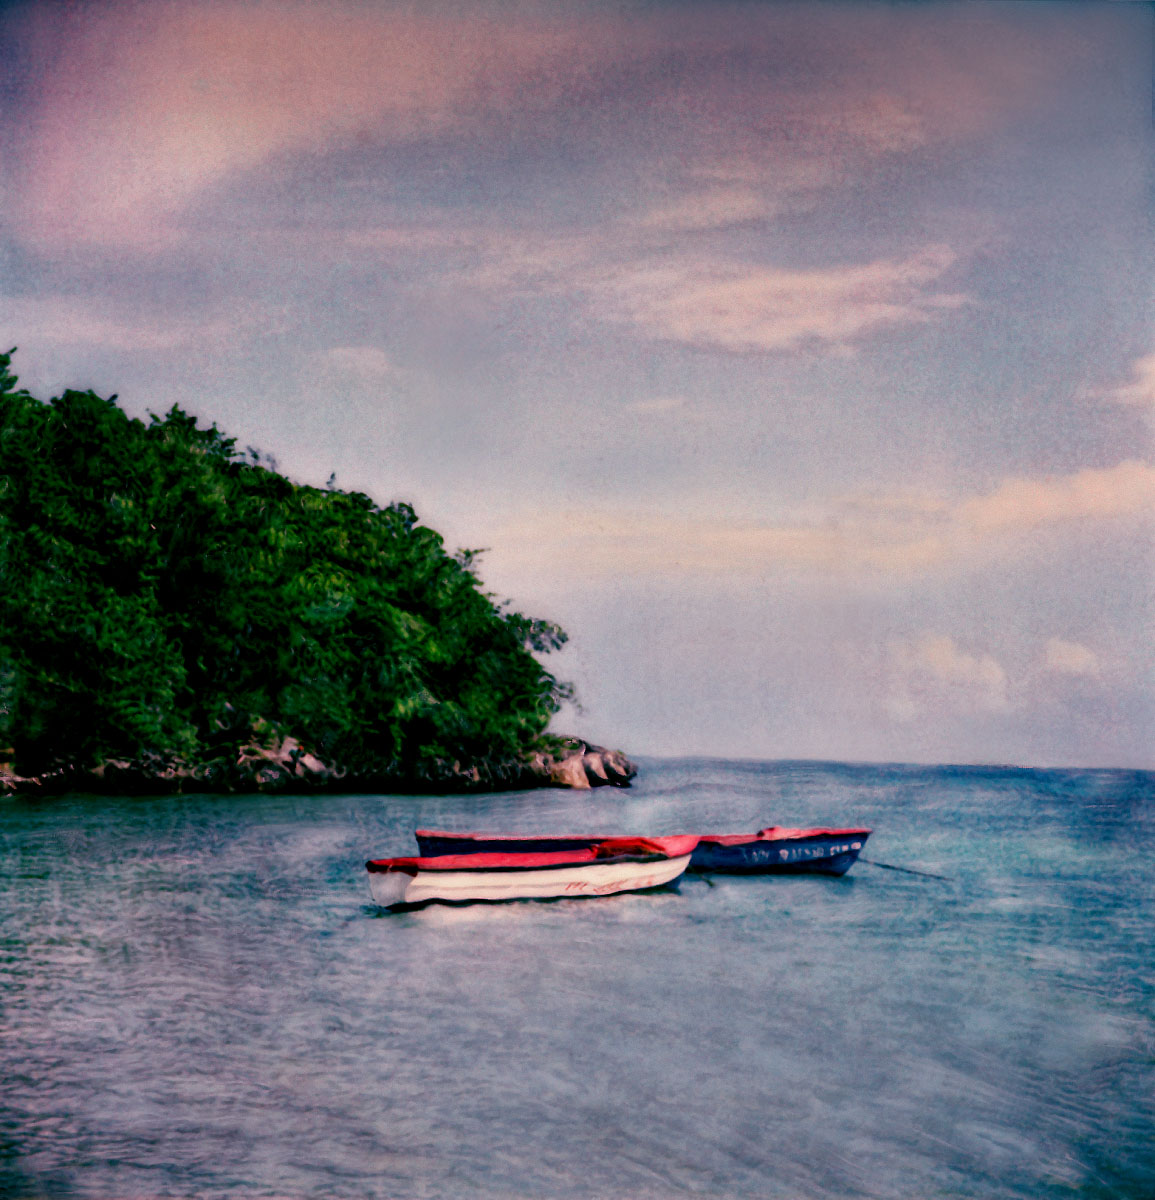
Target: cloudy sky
797 359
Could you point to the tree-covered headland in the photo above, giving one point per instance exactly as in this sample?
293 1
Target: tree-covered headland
173 610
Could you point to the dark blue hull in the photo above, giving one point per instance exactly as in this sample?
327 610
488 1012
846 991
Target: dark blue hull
432 845
787 856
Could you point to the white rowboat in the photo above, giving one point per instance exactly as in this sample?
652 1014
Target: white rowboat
613 865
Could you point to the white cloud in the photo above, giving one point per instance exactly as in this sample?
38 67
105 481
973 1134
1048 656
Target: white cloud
933 673
872 537
635 542
733 306
1020 504
707 300
1070 658
519 261
1140 388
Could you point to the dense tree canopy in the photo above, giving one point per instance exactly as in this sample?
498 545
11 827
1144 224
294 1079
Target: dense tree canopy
164 596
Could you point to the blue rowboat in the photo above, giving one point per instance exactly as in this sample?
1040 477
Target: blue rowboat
780 851
776 850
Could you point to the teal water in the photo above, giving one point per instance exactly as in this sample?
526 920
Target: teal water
199 1001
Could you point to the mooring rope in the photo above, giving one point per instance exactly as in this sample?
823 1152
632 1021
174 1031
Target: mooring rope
909 870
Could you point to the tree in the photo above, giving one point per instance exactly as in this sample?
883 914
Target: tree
163 596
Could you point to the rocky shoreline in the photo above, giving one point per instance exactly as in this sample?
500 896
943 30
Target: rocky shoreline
286 766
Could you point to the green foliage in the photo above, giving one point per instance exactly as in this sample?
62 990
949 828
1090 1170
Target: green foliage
162 596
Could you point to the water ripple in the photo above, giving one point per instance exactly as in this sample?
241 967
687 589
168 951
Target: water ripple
199 1000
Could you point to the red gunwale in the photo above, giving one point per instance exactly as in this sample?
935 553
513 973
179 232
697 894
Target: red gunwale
772 833
607 850
779 833
515 837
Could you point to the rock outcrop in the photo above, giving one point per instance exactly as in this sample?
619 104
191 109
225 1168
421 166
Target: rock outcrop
282 764
581 764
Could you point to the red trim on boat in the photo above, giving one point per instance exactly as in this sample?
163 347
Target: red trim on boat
512 837
779 833
772 833
483 862
668 847
605 850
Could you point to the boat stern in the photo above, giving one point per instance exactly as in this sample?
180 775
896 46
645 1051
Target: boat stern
389 883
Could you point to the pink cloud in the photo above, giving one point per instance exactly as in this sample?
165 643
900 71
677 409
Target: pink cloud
900 536
1140 388
1071 658
934 673
742 307
1127 489
148 105
668 290
144 106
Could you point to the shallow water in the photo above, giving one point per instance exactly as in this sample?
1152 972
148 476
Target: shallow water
198 999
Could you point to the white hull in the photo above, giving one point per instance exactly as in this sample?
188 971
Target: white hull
583 879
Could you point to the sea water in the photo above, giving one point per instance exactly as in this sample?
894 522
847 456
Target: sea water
198 999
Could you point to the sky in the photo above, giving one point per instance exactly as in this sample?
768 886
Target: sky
797 359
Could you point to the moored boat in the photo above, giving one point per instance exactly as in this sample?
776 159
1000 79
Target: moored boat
778 850
601 868
775 850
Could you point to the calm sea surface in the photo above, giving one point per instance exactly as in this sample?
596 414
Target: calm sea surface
198 1000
